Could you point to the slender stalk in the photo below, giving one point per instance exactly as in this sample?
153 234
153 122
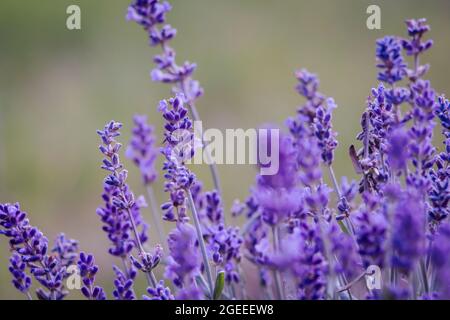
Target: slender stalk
347 225
125 267
277 275
201 243
423 272
28 295
156 216
151 279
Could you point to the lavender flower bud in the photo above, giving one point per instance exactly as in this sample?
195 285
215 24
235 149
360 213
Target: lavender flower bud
390 61
88 270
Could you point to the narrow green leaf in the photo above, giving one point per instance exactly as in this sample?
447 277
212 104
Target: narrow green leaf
220 283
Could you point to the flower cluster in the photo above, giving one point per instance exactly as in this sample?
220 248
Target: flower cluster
31 256
304 239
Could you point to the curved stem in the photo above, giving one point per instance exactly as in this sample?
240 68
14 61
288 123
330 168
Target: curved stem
346 227
201 243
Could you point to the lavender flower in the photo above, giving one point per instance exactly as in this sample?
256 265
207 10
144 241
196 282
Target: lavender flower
151 14
308 85
65 249
31 245
184 260
277 194
323 130
377 123
398 147
421 134
308 154
88 270
441 260
159 293
141 149
408 237
123 284
17 268
439 194
302 255
178 179
116 224
224 242
390 61
124 201
371 232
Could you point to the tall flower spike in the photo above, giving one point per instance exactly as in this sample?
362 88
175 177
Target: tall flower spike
141 149
178 139
408 236
439 194
323 129
421 134
151 14
184 260
179 148
414 46
123 199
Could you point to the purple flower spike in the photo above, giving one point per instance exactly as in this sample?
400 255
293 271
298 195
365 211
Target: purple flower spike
390 61
184 261
416 30
440 255
88 270
66 249
123 285
121 207
178 139
323 129
408 240
398 149
17 268
415 46
141 149
151 14
159 293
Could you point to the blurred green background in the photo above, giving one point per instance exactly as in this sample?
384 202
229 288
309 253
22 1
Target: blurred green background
58 86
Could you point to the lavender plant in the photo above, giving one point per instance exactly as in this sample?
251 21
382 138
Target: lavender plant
305 239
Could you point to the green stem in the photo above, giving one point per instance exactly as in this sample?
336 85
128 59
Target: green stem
201 242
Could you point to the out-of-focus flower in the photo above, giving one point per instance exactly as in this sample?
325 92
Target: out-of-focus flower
159 293
141 149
